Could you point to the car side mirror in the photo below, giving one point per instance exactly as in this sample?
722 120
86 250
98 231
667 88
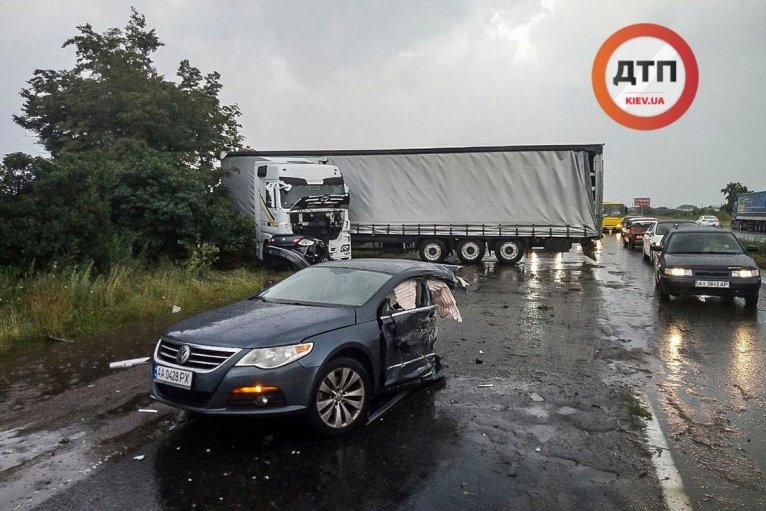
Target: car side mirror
752 248
387 320
656 248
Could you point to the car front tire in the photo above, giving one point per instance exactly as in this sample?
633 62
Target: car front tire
751 301
340 397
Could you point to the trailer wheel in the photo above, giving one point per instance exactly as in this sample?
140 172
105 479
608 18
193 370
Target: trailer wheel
433 251
471 251
509 251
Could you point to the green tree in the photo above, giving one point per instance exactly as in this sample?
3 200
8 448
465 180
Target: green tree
731 191
143 148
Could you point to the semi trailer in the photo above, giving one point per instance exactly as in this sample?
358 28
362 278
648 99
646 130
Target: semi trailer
466 200
749 212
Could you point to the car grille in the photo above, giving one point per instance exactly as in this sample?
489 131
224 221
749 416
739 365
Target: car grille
183 396
712 273
205 359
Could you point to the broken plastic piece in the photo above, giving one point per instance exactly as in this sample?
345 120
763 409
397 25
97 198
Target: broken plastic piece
485 385
147 410
139 457
536 397
122 364
175 310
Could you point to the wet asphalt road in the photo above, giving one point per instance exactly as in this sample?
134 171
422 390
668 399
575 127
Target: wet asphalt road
566 345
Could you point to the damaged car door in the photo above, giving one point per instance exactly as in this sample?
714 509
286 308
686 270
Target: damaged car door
408 324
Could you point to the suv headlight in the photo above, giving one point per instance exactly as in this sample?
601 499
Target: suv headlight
678 272
271 358
745 274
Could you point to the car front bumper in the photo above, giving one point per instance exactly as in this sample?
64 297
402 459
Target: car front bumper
211 393
687 286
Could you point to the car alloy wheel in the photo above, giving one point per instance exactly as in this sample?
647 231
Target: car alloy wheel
341 397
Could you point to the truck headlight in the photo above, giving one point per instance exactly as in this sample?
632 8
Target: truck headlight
678 272
345 248
271 358
745 273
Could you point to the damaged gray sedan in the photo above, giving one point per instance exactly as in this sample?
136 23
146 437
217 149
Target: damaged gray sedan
322 343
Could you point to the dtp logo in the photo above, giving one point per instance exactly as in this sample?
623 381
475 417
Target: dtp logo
645 76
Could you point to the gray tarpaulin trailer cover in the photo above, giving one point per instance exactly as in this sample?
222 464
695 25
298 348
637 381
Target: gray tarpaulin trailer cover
528 193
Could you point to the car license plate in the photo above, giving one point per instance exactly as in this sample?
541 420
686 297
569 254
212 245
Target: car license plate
711 283
171 376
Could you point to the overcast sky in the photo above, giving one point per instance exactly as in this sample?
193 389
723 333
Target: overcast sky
366 74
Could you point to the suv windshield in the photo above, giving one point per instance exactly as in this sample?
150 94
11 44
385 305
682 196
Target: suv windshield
703 243
325 285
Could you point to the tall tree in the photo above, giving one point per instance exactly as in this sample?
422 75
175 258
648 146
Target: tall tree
147 147
731 191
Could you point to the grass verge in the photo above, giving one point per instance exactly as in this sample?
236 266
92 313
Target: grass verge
75 302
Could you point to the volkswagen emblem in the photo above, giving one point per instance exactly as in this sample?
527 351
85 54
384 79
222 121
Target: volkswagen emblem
183 355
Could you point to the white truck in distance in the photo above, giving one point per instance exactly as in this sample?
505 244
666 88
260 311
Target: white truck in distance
467 200
294 203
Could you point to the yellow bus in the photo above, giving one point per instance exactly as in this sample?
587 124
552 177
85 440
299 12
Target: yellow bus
612 215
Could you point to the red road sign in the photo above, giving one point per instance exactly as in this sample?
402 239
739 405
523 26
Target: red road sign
642 202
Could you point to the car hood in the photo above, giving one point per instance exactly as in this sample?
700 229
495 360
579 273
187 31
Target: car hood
254 324
709 260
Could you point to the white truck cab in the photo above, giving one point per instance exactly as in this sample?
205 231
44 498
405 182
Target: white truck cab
291 196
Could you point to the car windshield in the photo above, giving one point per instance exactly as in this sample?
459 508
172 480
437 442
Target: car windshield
703 243
325 285
641 224
666 227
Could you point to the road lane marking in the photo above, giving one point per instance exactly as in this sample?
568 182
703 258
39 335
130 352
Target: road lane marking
667 473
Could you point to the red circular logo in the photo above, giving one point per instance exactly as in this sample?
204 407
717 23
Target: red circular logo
645 76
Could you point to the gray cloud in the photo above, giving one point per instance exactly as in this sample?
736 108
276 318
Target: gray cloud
348 74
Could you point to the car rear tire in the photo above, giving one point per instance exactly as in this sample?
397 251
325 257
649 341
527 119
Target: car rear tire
433 251
509 251
340 397
470 251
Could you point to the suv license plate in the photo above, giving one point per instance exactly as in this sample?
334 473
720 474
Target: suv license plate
711 283
171 376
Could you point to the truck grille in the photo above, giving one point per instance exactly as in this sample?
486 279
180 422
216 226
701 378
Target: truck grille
205 359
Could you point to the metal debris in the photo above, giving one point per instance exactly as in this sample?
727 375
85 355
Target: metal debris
147 410
123 364
139 457
485 385
536 397
59 339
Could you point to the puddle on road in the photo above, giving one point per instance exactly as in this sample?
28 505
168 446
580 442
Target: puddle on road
52 368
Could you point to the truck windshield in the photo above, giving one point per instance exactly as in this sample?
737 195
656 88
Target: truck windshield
614 210
299 191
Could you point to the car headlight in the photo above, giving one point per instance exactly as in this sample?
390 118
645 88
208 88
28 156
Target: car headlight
745 274
271 358
678 272
305 242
